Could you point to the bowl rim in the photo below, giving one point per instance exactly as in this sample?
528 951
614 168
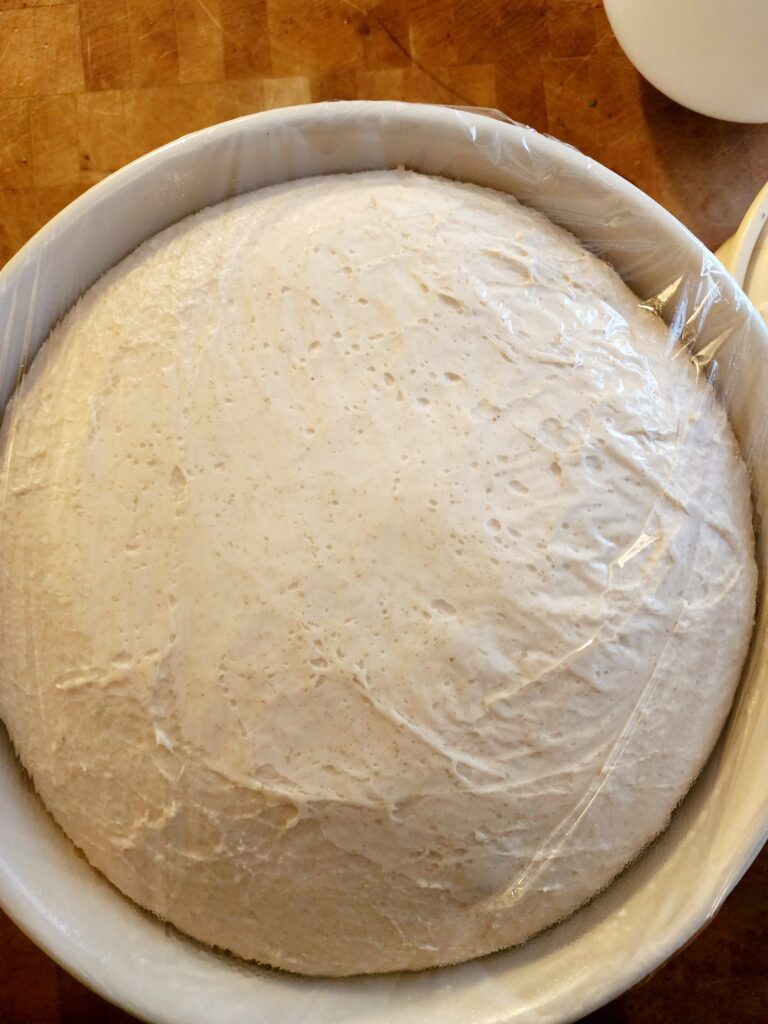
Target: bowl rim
31 919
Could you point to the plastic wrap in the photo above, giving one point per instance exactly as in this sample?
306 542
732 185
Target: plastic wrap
681 880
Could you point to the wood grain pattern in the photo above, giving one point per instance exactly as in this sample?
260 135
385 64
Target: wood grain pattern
87 86
144 71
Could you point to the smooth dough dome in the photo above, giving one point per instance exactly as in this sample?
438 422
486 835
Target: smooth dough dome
376 575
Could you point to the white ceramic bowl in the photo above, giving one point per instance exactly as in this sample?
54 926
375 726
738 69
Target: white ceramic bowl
679 883
706 54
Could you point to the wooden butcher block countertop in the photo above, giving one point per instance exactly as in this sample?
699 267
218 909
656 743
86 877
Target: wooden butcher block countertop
86 87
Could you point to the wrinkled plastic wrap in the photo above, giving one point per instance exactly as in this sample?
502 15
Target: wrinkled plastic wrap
681 880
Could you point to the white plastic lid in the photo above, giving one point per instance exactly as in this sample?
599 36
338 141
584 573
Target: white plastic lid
746 253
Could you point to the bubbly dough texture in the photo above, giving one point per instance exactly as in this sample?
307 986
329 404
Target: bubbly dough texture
375 576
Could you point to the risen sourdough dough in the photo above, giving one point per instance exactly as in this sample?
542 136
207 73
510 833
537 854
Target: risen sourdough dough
374 580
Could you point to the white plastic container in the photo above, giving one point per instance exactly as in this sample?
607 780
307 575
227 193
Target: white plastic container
676 887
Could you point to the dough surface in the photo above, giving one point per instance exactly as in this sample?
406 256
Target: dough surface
376 577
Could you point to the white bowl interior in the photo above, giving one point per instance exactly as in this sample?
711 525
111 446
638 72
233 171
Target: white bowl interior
679 883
